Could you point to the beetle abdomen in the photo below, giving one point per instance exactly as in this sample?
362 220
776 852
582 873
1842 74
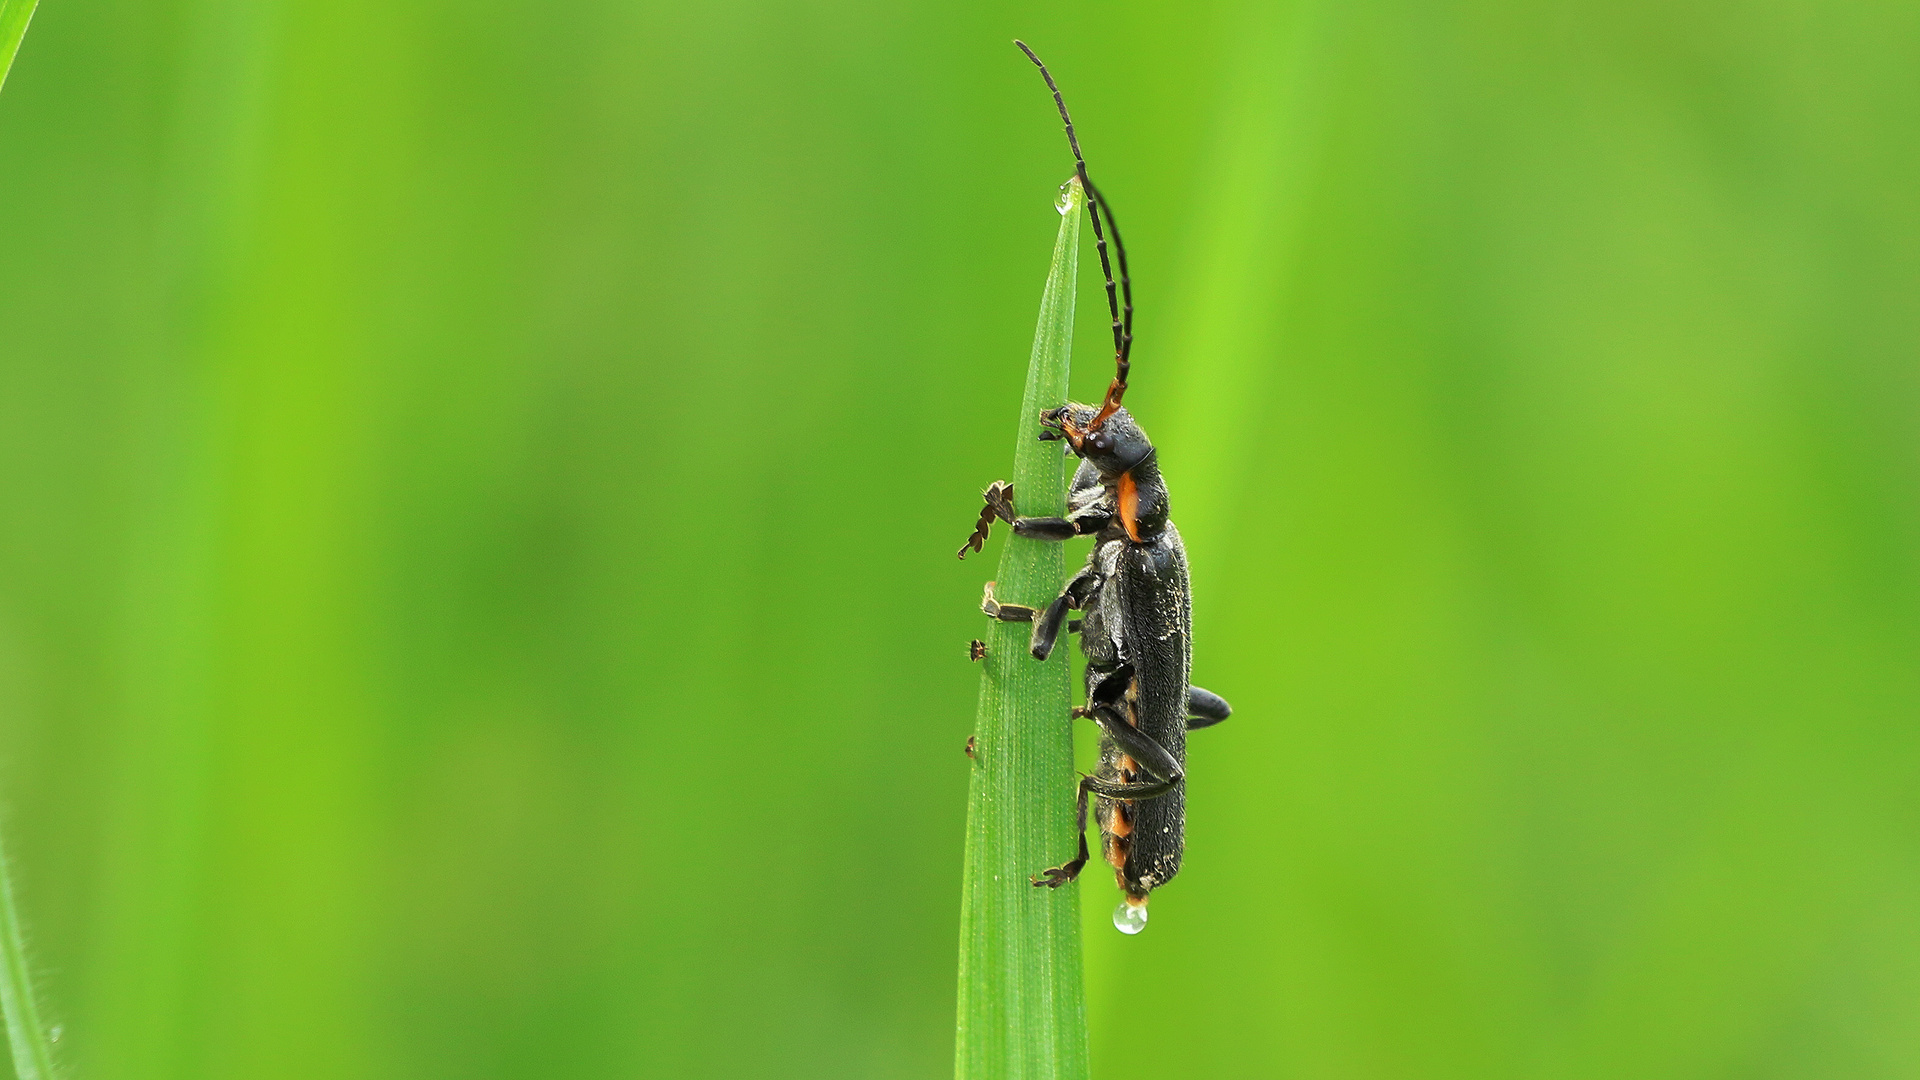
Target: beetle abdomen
1142 618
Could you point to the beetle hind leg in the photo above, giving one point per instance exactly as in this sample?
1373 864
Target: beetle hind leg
1205 708
1057 876
1163 772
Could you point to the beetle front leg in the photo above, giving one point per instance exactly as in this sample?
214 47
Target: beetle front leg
1205 708
1054 877
998 503
1046 528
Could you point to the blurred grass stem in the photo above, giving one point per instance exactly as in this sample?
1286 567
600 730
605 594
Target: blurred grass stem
14 17
26 1037
1022 1012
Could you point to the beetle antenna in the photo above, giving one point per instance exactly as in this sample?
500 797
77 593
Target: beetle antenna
1096 205
1124 361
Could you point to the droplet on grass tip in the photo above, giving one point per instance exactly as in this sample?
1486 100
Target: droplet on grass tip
1065 202
1130 918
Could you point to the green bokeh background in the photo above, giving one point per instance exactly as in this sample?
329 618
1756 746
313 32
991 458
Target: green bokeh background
478 486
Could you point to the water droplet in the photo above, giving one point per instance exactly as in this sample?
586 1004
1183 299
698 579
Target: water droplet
54 1033
1130 918
1065 202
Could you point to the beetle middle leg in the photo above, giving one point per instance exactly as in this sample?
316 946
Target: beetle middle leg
1046 629
994 609
1047 624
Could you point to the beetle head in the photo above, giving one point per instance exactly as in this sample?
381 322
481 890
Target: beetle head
1114 444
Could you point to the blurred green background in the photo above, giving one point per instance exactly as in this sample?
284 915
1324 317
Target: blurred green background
478 486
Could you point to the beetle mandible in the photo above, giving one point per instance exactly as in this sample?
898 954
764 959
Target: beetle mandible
1134 591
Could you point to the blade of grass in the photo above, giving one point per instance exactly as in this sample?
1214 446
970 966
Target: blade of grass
1022 1013
14 17
32 1053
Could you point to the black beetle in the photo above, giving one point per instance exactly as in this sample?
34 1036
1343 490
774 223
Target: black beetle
1138 609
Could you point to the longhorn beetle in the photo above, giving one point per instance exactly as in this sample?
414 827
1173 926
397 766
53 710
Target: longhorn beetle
1137 604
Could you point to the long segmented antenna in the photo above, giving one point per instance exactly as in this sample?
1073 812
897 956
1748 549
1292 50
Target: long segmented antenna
1126 293
1096 206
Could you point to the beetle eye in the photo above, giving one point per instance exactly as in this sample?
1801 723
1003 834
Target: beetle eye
1100 443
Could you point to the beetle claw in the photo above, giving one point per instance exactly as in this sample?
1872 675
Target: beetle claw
999 497
1056 876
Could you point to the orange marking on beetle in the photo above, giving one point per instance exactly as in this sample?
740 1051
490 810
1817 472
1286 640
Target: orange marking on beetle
1116 390
1075 433
1117 853
1120 824
1129 498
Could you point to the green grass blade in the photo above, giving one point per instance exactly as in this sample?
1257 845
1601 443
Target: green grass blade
1022 1012
14 17
32 1055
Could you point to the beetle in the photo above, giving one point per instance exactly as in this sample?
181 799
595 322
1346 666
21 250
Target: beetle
1137 603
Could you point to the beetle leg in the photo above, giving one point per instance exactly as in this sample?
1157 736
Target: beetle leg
1046 528
1046 629
1057 876
998 500
1005 612
1141 789
999 504
1205 708
1153 759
